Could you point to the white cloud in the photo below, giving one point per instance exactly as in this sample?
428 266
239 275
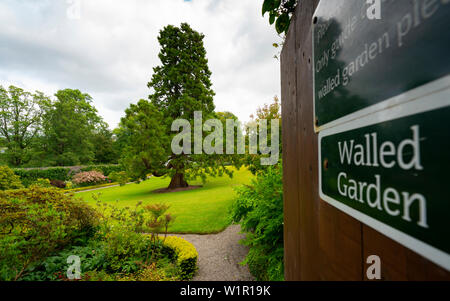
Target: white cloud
111 50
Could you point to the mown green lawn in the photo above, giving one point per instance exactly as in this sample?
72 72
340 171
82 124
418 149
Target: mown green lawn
203 210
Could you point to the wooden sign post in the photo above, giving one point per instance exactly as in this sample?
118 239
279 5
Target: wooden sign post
365 142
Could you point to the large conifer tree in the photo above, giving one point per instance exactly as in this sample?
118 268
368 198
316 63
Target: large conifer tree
179 86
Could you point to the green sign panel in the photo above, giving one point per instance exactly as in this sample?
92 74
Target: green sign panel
390 170
362 65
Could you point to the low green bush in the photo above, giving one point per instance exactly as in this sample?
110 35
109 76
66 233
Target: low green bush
44 183
119 177
30 176
259 210
37 221
126 250
185 253
9 180
53 268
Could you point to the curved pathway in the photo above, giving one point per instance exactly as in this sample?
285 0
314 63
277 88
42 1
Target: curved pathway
219 256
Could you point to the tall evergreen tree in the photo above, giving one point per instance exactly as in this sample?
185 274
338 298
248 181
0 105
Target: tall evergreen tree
180 86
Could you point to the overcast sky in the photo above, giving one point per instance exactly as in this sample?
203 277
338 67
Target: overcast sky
109 52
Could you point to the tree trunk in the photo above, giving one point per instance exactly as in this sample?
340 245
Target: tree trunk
178 181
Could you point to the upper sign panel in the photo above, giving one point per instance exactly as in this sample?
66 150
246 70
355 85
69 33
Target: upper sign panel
364 65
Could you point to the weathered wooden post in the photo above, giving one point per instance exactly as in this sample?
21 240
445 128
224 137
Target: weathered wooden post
366 106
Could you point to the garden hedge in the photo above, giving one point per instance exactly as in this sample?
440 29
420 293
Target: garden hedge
185 253
29 176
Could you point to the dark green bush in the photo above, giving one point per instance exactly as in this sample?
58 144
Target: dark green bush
37 221
53 268
30 176
125 250
259 209
119 177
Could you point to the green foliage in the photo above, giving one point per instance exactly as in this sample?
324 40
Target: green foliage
280 13
182 83
69 128
180 86
9 180
120 177
43 183
40 228
92 257
123 228
267 112
37 221
148 145
36 131
104 146
163 270
259 209
21 116
125 249
30 176
186 255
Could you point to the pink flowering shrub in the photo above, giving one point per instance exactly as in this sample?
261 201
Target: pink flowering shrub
88 178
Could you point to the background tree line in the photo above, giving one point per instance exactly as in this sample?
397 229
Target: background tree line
37 131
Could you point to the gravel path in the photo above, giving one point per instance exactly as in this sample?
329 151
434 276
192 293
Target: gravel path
220 255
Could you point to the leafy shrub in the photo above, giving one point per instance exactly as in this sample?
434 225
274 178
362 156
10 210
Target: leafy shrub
186 255
30 176
92 257
69 185
35 222
259 209
98 276
130 252
88 178
8 180
156 271
126 250
119 177
122 228
58 184
43 183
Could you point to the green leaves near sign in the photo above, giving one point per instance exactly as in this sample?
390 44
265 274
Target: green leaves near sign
280 13
270 5
282 24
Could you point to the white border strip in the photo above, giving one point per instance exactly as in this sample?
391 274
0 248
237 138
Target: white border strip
430 101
